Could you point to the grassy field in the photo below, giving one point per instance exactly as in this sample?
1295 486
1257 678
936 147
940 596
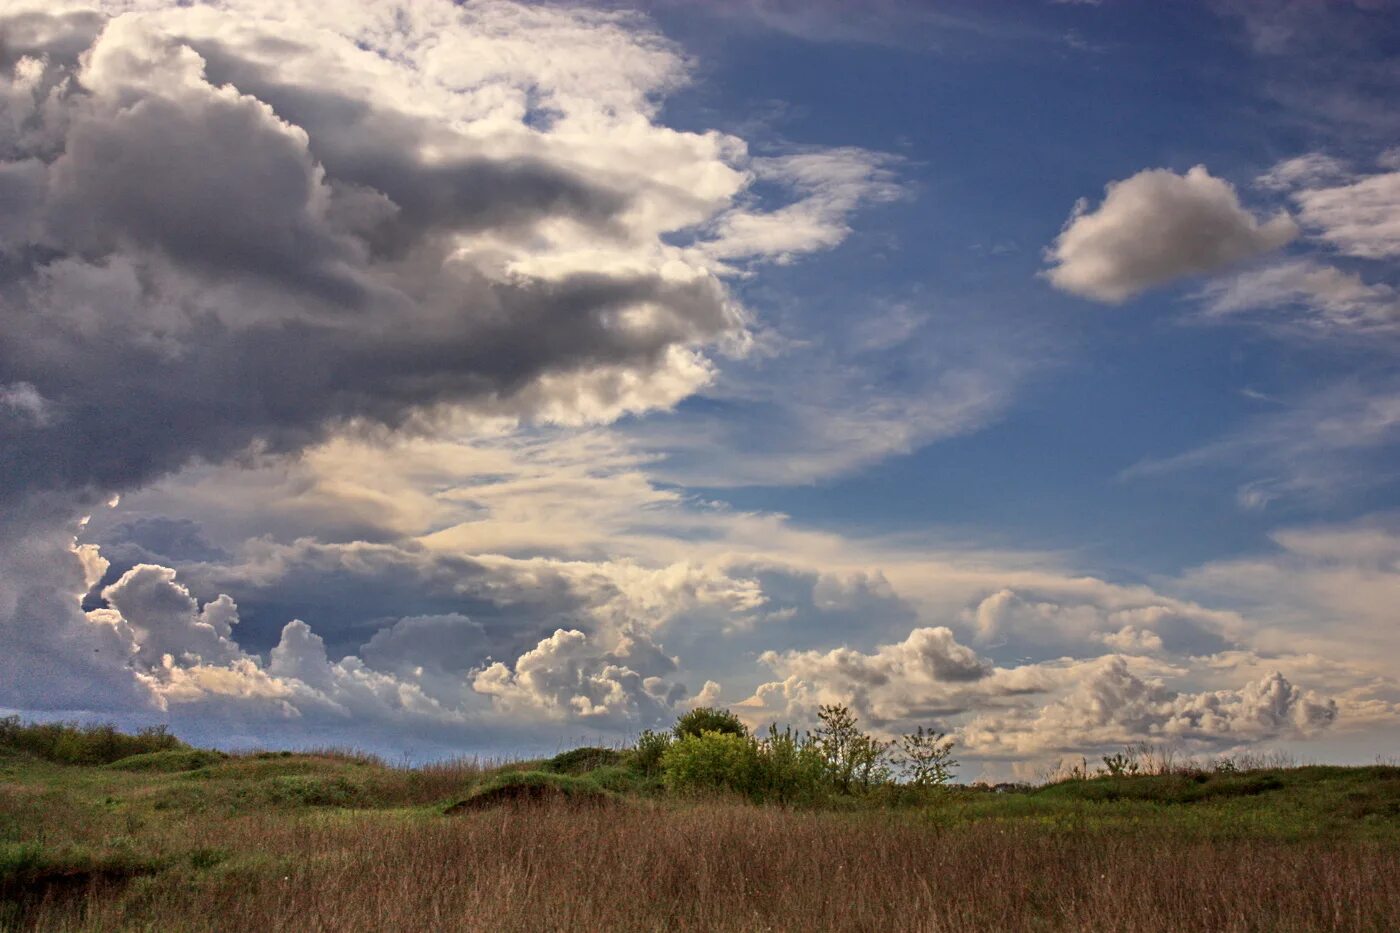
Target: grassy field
183 839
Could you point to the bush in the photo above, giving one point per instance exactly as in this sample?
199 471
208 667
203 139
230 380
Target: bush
854 761
926 757
704 719
71 743
791 769
711 762
651 746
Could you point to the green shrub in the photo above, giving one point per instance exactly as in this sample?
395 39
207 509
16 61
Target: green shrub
651 746
712 762
620 779
926 758
791 769
704 719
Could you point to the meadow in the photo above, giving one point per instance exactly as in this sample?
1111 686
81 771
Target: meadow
96 834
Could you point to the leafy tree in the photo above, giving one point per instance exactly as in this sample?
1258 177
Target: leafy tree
854 761
704 719
926 757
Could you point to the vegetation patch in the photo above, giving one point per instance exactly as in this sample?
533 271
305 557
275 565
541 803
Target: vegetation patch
1167 788
30 871
582 760
533 787
169 762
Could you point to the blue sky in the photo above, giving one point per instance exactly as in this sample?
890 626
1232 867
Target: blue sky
481 376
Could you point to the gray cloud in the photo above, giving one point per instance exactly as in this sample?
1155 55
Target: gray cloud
1155 227
188 271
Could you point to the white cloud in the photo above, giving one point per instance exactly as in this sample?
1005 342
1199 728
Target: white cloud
1155 227
1326 590
1110 706
1308 170
567 675
1310 295
1360 218
830 183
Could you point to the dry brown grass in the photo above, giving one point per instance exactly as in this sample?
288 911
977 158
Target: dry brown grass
722 867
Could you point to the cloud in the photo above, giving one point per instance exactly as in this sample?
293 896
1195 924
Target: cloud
1328 444
1358 218
567 675
1322 589
1056 620
56 656
1110 706
1155 227
927 674
898 23
1307 295
371 220
166 620
1309 170
830 183
1347 213
845 391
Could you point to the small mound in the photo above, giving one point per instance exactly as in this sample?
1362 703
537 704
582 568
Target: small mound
191 759
582 760
533 787
1166 788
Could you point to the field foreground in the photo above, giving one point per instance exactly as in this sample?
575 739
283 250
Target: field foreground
187 840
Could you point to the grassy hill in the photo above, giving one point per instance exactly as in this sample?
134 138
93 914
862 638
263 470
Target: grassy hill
185 839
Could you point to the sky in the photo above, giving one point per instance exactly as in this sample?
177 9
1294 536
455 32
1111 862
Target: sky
490 377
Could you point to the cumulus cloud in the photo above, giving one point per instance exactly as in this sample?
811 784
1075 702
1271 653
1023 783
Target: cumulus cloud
166 620
366 217
1155 227
928 673
1111 706
56 656
567 675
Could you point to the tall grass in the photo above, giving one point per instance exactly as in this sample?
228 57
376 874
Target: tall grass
731 867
